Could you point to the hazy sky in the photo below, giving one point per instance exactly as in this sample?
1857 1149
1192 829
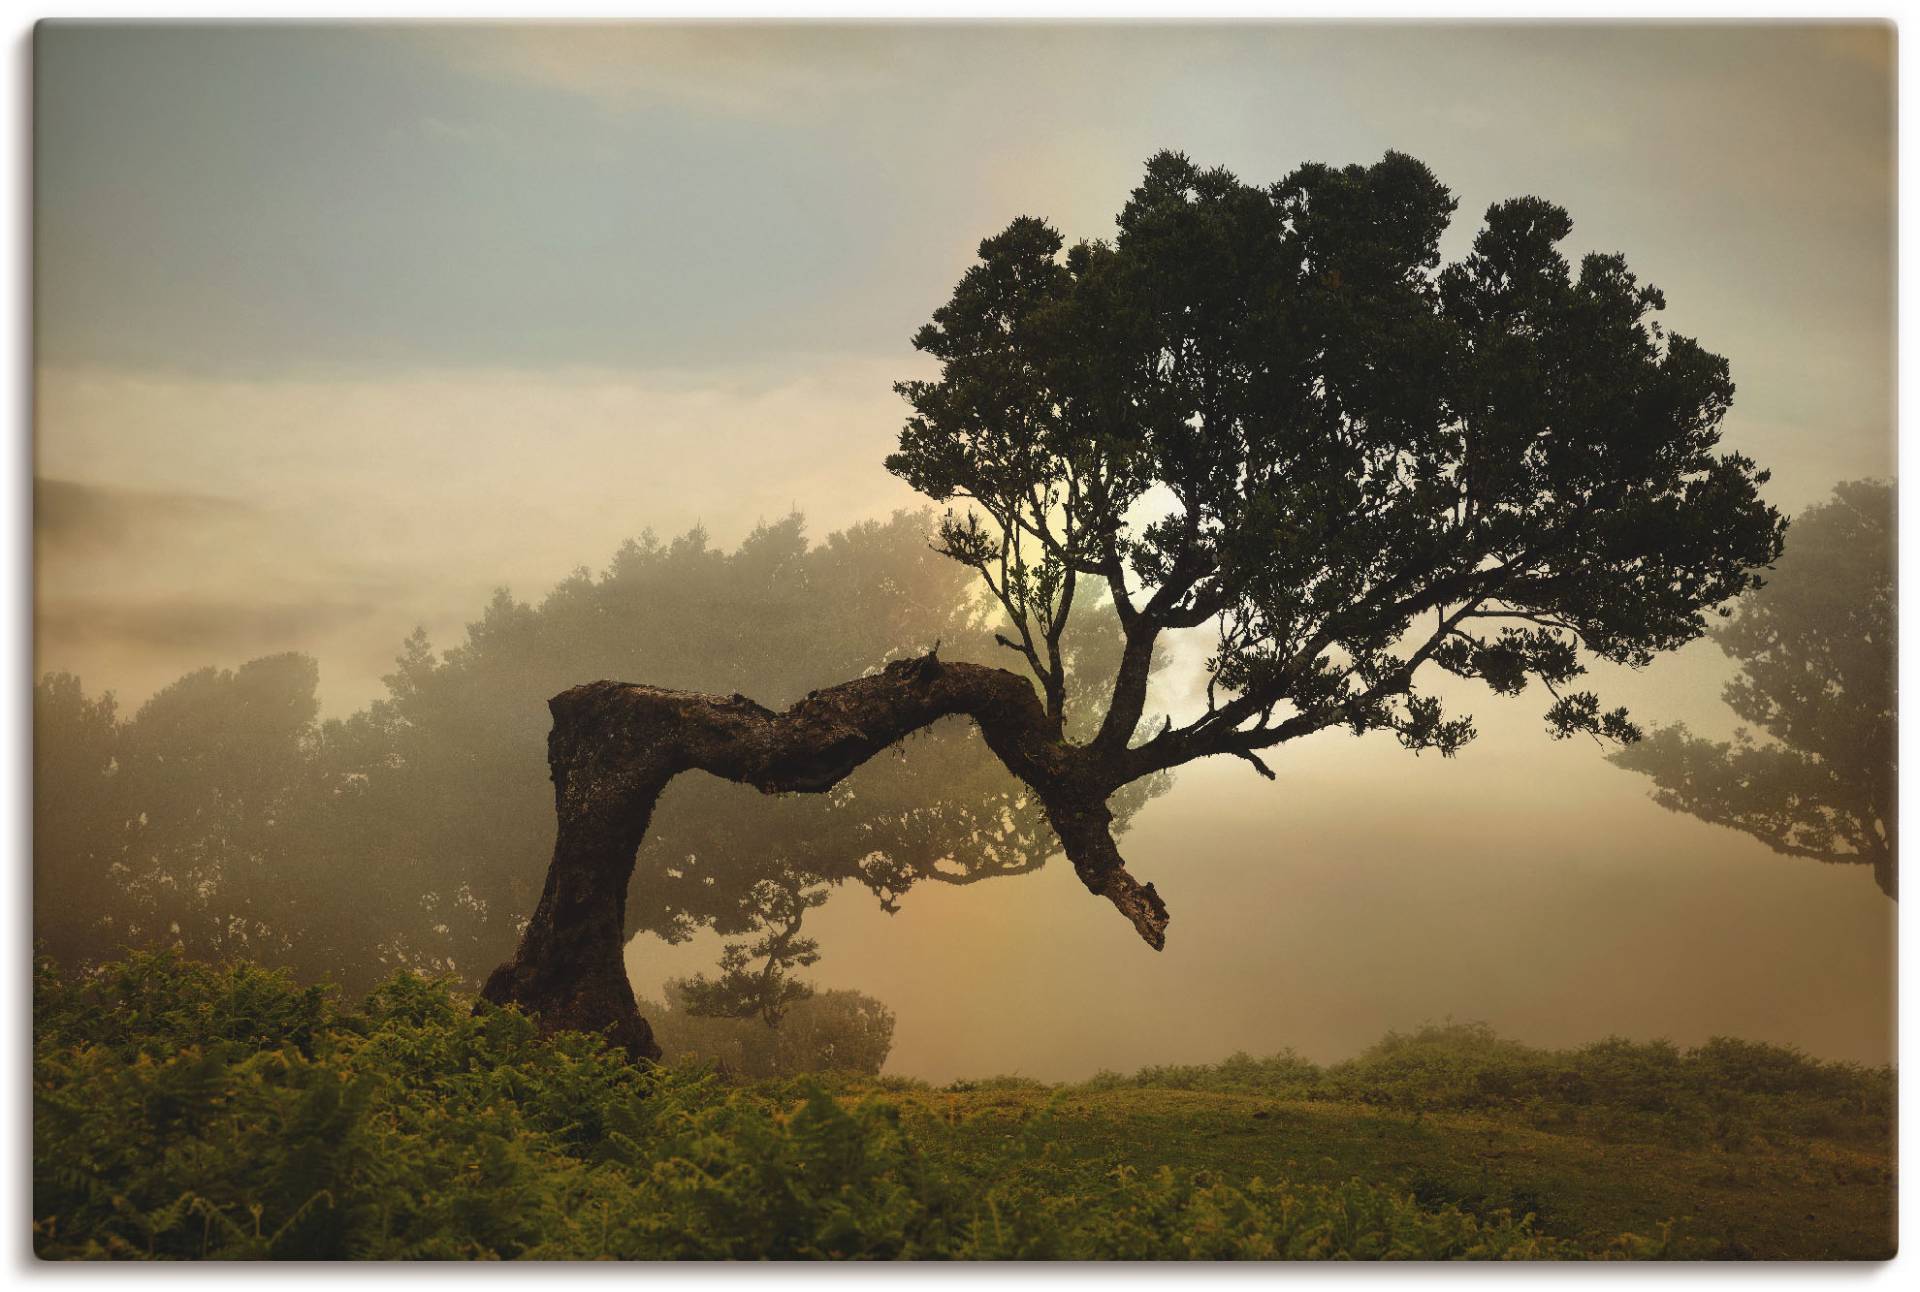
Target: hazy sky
339 328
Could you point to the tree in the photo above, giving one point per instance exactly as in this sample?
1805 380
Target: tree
1816 650
450 791
1265 411
213 768
226 819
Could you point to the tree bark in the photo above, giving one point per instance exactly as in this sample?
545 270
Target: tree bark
614 746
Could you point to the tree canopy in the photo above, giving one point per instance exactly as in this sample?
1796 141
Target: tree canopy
1817 654
1273 411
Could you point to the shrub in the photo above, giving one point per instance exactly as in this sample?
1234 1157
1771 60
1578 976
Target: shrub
830 1031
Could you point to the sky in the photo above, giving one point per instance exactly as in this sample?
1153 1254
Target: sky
339 328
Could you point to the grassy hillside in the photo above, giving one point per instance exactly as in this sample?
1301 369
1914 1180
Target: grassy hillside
183 1110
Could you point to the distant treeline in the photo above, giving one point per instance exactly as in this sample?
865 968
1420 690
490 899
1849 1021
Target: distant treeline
225 818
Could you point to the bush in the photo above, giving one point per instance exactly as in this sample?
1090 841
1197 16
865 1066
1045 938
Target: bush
1285 1075
830 1031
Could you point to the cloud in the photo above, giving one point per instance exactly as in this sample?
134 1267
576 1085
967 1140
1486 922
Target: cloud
70 515
334 517
742 69
208 627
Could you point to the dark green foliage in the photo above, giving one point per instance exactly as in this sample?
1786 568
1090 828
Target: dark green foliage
1272 411
1191 1215
1817 649
187 1111
159 1004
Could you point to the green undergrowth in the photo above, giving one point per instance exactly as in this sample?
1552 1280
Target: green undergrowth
186 1111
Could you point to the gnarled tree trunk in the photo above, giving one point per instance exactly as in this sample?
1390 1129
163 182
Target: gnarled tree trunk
615 746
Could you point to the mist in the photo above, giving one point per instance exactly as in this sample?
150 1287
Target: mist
543 293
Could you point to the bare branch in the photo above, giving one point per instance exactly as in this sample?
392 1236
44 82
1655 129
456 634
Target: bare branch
1258 765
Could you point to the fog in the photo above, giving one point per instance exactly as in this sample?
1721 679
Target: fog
375 321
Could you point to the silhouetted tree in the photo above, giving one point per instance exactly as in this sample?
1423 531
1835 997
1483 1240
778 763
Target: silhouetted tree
1816 650
1265 410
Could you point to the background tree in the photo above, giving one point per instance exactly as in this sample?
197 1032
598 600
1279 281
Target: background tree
1266 411
1817 653
227 819
213 769
180 824
79 911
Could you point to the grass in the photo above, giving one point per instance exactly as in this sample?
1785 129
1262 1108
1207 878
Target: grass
189 1111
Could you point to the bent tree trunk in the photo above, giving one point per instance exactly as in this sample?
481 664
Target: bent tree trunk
615 746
